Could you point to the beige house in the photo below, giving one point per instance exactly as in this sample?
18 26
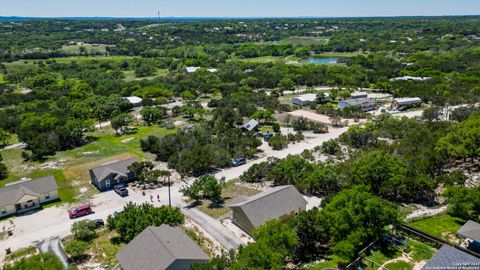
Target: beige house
282 202
24 196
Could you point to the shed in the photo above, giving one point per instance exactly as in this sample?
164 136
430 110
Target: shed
163 247
280 202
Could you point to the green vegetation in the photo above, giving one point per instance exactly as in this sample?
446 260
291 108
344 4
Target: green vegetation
442 226
420 251
136 218
400 265
46 261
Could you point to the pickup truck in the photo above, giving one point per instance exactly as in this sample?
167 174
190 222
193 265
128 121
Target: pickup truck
121 190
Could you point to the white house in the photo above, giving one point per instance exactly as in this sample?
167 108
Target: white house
358 94
24 196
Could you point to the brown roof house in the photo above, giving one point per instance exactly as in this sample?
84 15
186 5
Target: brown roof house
163 247
24 196
280 202
106 176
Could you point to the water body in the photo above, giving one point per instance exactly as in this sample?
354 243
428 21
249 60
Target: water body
325 61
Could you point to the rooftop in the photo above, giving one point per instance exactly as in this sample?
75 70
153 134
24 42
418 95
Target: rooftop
159 248
271 204
117 167
449 257
470 230
10 194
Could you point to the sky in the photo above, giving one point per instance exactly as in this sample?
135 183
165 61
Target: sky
236 8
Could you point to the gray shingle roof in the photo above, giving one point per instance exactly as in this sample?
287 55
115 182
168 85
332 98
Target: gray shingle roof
271 204
118 167
158 248
449 257
10 194
470 230
361 102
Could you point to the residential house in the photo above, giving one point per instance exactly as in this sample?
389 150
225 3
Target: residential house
448 257
27 195
163 247
106 176
367 104
470 231
405 103
250 125
280 202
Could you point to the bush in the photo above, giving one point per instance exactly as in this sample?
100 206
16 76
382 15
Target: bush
84 230
45 261
331 147
278 142
76 248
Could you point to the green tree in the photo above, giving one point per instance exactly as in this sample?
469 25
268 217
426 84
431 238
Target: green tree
152 114
287 84
136 218
76 248
121 121
3 169
84 230
464 139
355 218
4 136
278 142
145 70
204 187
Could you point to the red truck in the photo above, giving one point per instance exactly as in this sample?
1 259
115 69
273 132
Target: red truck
80 211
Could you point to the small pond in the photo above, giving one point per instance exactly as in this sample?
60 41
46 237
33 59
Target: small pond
316 60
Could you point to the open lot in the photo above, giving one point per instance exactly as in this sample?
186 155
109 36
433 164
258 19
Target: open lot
442 226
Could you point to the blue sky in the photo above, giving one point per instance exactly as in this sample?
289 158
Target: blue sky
236 8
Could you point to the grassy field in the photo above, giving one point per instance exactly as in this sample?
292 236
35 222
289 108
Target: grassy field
400 265
101 49
2 80
305 40
69 60
326 264
229 193
130 75
262 59
70 168
443 226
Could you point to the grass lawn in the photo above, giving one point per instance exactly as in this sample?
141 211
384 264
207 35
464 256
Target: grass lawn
103 250
21 253
304 40
400 265
420 251
70 168
381 256
2 80
262 59
231 190
130 75
442 226
326 264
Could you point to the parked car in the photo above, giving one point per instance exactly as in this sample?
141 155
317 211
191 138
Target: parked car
80 211
266 135
100 223
121 190
239 161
